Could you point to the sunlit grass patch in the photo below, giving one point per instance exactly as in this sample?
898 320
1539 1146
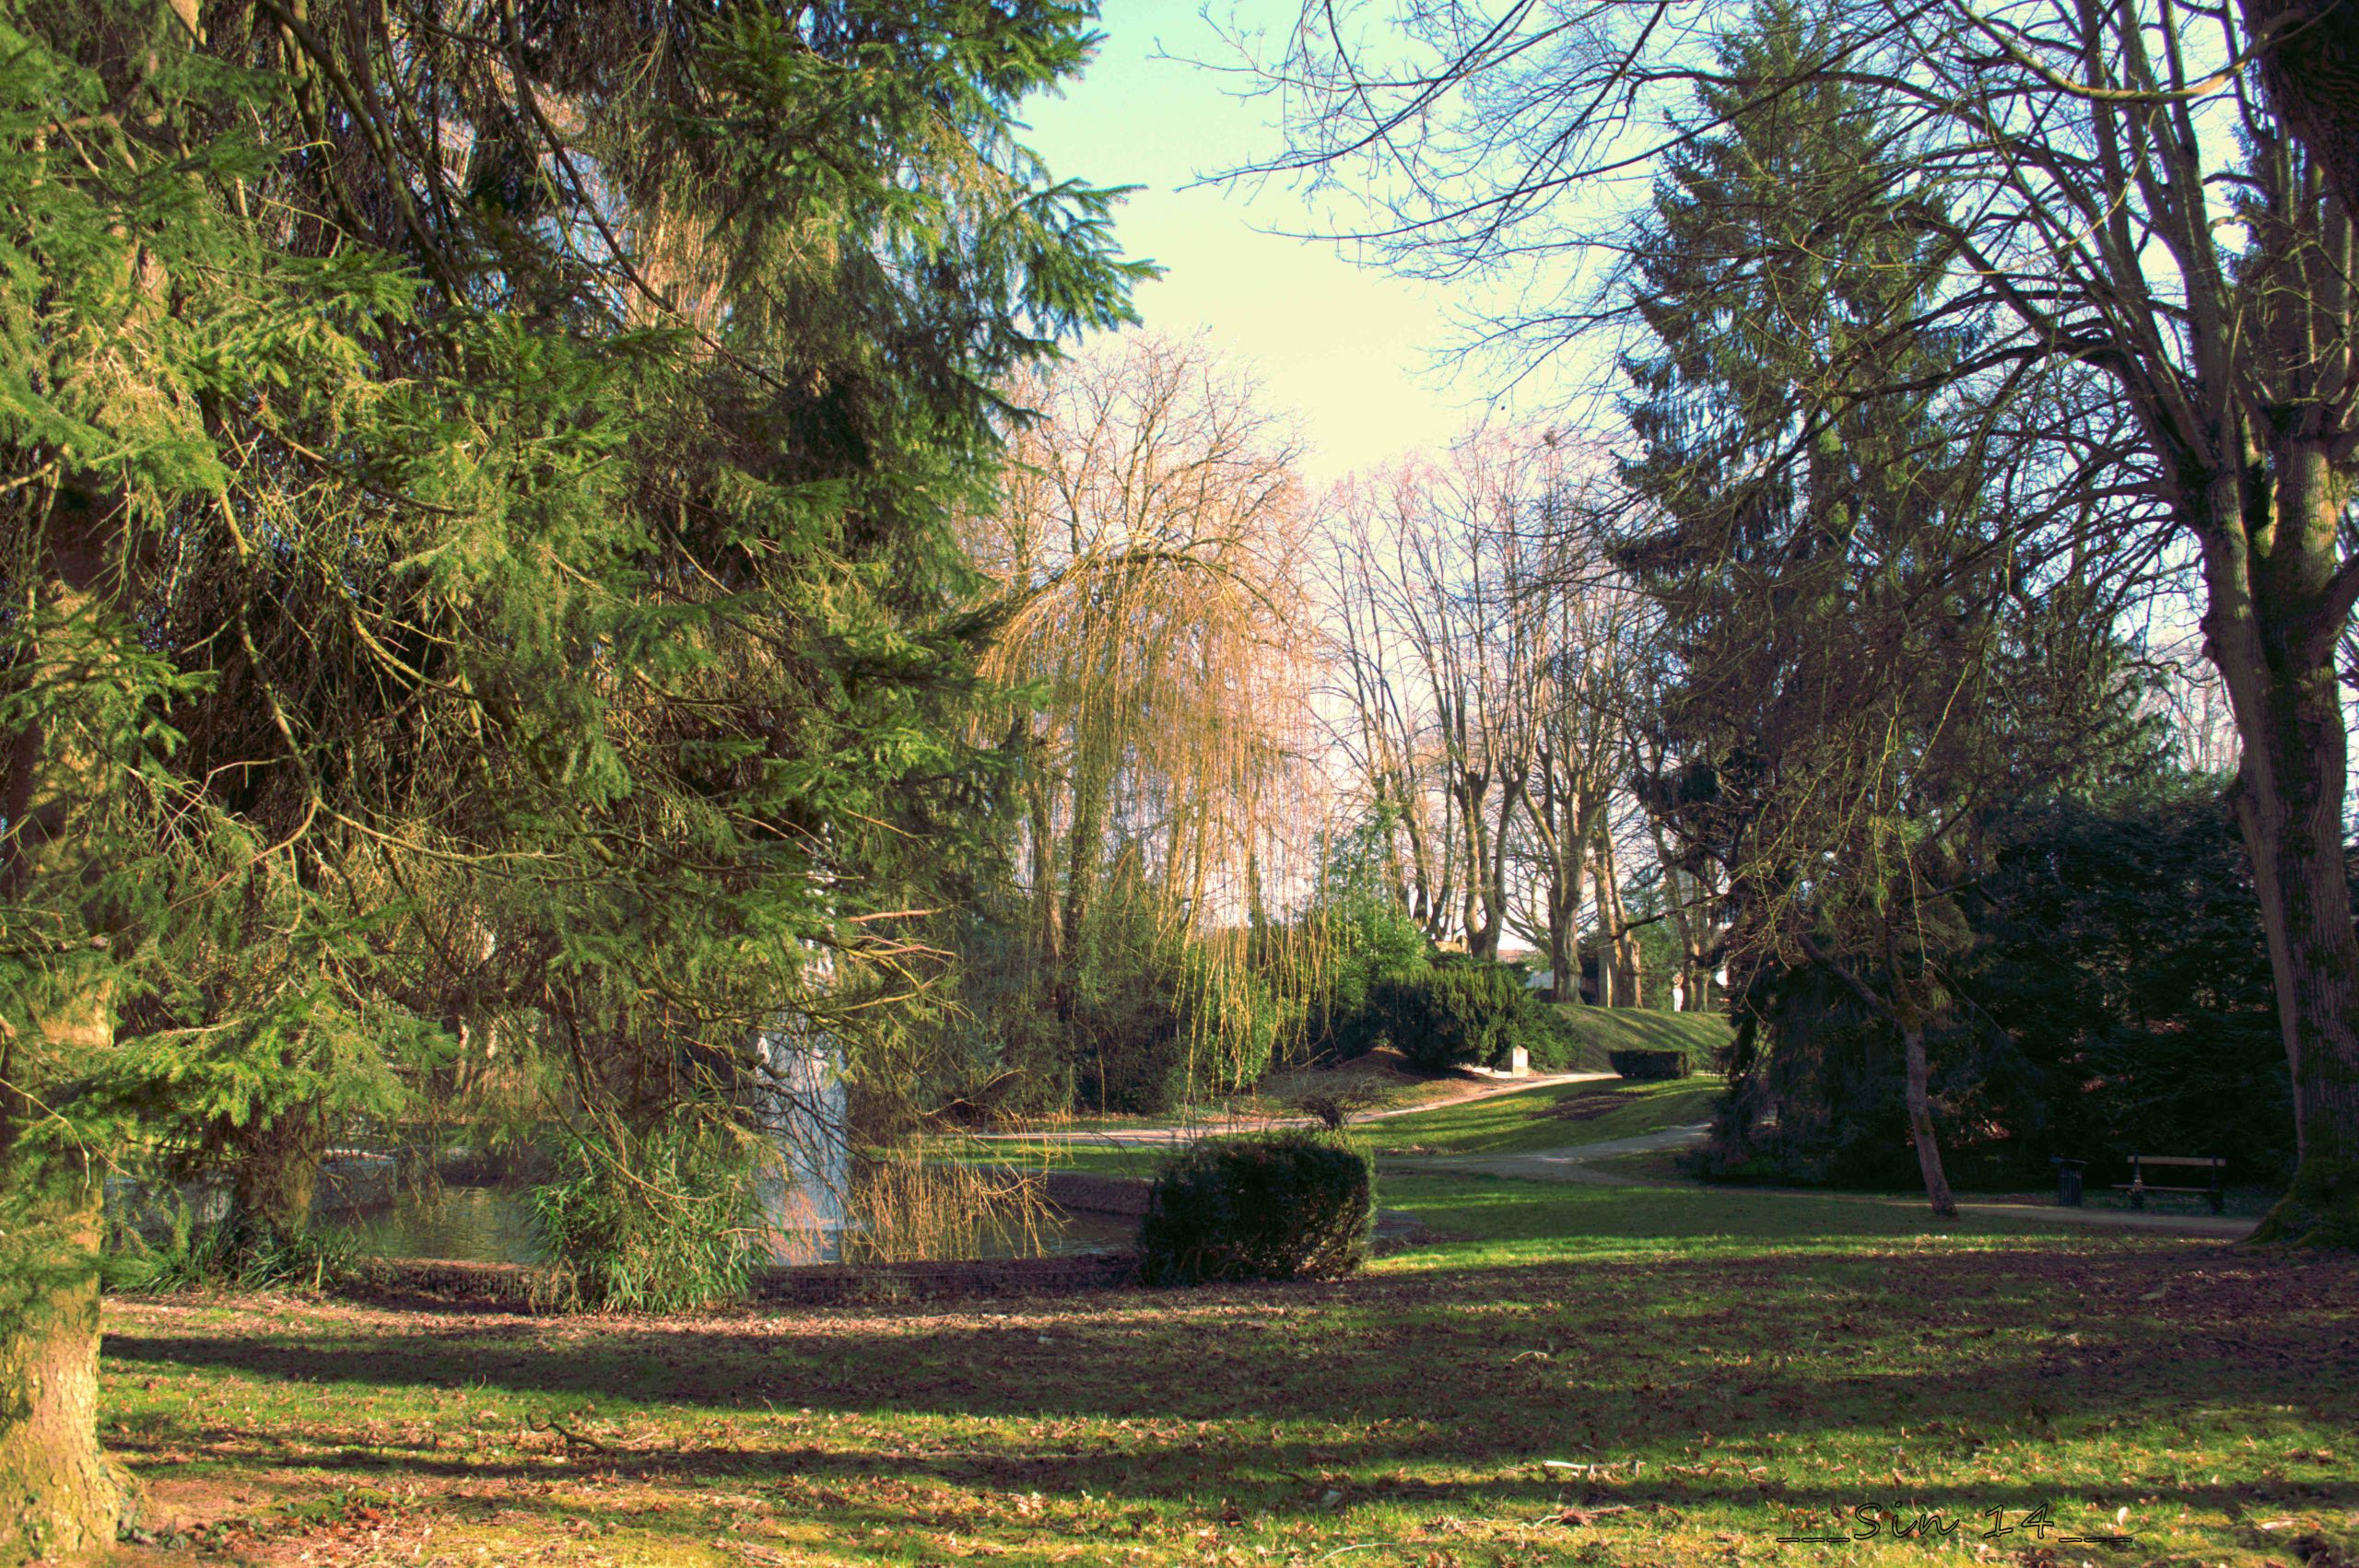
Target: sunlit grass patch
1555 1116
1709 1371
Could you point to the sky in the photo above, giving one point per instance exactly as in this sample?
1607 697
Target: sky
1347 348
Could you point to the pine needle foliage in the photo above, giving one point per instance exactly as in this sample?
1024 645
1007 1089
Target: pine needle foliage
1846 534
476 537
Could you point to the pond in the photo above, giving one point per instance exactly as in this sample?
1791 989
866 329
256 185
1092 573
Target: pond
476 1225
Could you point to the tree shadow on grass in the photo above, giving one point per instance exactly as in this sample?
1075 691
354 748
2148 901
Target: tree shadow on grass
1284 1480
1492 1366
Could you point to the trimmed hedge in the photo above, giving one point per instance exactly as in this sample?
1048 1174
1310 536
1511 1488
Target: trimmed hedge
1457 1013
1648 1065
1285 1205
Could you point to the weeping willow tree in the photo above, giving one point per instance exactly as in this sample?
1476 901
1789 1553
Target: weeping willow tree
1149 619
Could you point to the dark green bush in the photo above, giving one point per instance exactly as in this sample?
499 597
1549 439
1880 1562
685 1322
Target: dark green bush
1648 1065
1455 1014
1551 1040
1138 1066
1273 1205
1357 914
2117 998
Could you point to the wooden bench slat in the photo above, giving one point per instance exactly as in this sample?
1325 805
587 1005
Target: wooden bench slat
2138 1185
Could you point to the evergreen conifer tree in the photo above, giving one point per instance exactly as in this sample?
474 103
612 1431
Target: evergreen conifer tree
475 518
1856 673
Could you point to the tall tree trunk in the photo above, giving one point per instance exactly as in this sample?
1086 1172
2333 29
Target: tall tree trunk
2271 626
2309 65
1903 1017
1484 943
2289 804
1479 915
1614 921
1566 891
1921 1121
1612 982
1568 838
58 1495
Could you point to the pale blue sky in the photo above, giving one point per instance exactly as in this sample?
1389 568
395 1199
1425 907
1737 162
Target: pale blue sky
1345 347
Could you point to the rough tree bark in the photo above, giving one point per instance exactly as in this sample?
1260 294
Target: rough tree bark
1920 1122
1906 1020
1567 891
58 1495
2310 70
1615 939
2271 626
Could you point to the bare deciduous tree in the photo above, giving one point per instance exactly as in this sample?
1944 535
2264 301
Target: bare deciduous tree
2117 203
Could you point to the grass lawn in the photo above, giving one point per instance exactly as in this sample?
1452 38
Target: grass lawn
1079 1155
1562 1116
1559 1116
1715 1369
1597 1030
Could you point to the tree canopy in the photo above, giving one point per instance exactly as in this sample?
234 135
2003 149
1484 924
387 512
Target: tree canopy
479 535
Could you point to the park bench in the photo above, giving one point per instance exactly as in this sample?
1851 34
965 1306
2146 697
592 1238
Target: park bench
2138 1185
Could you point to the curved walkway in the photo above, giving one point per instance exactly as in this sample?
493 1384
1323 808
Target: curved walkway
1572 1166
1187 1132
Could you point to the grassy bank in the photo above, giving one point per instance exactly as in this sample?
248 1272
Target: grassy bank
1559 1117
1595 1031
1718 1369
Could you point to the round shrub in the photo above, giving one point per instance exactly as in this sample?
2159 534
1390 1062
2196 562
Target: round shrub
1648 1065
1270 1206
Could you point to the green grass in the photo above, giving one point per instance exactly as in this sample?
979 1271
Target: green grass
1594 1031
1518 1123
1075 1154
1718 1369
1504 1124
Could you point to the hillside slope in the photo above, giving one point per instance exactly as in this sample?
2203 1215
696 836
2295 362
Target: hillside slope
1597 1030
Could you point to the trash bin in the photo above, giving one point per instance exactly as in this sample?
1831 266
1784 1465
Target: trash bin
2067 1180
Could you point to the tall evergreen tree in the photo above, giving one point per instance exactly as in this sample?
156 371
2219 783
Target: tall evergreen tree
2124 206
1857 673
477 511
